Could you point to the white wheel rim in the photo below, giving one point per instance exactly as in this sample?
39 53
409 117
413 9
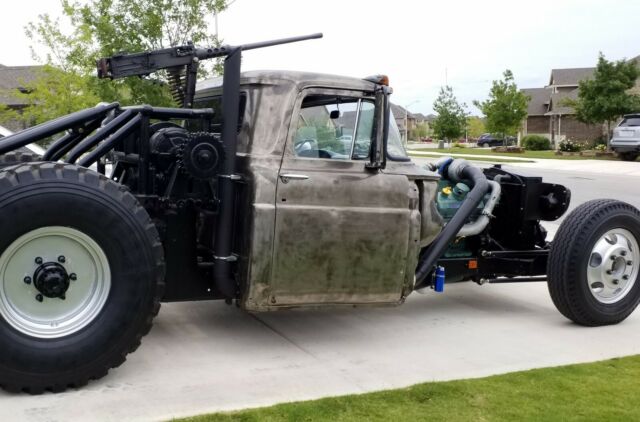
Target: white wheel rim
22 304
612 270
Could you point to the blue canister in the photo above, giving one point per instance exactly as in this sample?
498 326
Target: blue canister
439 284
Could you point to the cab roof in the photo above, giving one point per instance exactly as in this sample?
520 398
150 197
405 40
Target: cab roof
289 77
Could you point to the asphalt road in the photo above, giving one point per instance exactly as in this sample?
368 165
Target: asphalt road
203 357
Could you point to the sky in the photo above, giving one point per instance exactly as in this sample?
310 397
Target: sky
420 45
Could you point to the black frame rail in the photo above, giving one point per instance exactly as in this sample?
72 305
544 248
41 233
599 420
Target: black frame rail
88 135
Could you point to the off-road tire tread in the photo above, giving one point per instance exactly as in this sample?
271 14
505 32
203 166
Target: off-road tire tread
562 267
13 158
11 176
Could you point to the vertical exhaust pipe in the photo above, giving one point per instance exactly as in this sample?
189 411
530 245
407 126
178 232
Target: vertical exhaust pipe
223 240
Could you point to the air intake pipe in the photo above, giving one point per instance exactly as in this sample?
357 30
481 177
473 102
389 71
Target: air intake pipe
456 170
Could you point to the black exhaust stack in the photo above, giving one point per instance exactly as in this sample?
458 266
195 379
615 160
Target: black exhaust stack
223 241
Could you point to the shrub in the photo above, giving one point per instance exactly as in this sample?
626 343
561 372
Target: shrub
601 147
536 143
458 145
570 146
594 143
600 140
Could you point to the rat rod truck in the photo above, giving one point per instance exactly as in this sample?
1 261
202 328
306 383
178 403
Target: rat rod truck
274 190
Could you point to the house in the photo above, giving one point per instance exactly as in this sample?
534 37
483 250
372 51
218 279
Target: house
401 114
548 114
14 78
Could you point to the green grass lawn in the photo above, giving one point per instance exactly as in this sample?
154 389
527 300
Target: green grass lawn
602 391
526 154
426 154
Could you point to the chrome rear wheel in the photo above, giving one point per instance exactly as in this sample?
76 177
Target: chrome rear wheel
593 270
613 266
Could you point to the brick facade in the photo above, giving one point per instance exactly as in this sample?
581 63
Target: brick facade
566 127
537 125
571 128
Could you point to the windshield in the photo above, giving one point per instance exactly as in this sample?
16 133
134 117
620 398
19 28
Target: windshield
630 121
395 149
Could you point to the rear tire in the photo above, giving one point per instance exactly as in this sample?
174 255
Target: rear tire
593 269
58 332
628 156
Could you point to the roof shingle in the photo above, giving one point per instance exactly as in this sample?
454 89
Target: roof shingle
539 100
15 77
570 76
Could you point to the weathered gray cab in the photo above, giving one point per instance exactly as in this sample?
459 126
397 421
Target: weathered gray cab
320 229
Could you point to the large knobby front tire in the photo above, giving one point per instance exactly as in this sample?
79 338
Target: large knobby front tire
594 263
81 276
13 158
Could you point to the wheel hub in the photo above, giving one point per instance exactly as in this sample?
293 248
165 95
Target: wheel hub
54 281
613 266
51 279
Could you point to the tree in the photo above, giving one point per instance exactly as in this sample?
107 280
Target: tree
606 97
506 107
451 118
51 94
475 126
101 28
420 131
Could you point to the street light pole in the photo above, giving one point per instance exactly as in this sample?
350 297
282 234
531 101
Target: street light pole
406 121
406 126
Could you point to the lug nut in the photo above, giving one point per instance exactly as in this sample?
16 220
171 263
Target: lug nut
39 298
73 277
625 277
27 280
613 257
629 262
62 259
623 253
609 272
615 281
38 260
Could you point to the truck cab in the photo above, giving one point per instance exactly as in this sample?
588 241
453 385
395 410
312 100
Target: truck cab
319 225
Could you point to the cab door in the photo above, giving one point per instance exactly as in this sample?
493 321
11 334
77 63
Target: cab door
341 230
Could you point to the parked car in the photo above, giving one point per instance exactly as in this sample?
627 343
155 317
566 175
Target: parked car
626 138
487 140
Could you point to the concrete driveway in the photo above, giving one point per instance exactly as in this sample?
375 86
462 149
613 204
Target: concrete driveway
203 357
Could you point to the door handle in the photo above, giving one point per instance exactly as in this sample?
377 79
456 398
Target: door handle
292 176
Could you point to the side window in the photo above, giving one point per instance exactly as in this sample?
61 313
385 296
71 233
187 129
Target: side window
364 132
334 127
216 104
